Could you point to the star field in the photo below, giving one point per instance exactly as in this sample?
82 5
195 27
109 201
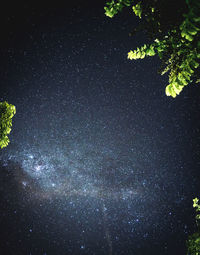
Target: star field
100 160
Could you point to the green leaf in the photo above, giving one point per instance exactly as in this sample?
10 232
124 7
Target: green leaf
150 51
170 91
195 202
194 63
177 88
198 216
197 19
137 9
189 37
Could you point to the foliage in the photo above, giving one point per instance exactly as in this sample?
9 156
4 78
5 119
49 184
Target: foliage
193 243
177 44
196 204
137 9
114 7
7 111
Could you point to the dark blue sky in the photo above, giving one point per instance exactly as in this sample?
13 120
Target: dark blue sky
100 160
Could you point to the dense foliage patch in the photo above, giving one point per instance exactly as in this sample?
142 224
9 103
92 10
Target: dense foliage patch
176 41
7 111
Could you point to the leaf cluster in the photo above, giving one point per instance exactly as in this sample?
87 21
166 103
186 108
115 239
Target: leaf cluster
113 7
193 242
197 206
7 111
177 44
137 9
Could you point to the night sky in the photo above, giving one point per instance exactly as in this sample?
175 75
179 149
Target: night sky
100 161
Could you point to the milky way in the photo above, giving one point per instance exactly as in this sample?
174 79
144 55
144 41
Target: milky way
72 174
104 183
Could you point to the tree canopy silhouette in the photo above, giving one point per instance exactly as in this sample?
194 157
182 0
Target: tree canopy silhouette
173 27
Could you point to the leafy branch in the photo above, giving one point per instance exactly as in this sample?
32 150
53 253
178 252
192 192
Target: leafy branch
7 111
178 47
114 7
193 243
